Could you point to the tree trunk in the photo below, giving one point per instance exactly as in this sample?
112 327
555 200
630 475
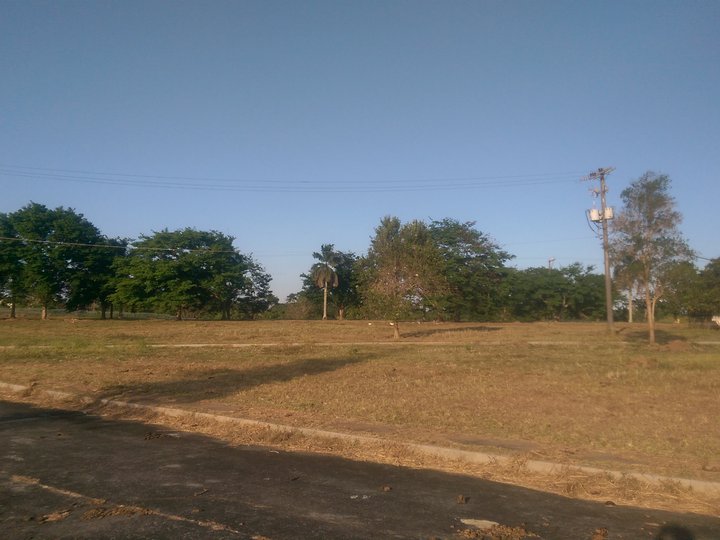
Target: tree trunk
396 330
103 310
630 304
325 302
341 313
650 308
111 309
12 309
44 313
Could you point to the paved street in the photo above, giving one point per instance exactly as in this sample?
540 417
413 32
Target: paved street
69 475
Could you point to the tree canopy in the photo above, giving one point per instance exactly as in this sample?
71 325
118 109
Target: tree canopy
54 257
402 273
190 271
474 267
57 258
570 293
694 292
647 238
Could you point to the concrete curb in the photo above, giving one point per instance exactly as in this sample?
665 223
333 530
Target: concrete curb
400 343
545 467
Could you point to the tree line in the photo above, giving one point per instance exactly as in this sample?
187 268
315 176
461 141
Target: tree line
434 270
448 270
57 258
442 270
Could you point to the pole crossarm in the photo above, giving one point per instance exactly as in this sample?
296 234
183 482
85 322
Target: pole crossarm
599 174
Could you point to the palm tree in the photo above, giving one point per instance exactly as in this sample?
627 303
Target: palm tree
323 272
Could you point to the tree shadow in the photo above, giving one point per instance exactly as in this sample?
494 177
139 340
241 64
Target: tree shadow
214 383
283 494
425 331
675 532
662 337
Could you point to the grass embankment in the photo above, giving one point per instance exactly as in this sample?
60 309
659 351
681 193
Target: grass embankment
558 392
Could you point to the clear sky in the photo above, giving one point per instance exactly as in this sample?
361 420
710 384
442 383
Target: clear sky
292 124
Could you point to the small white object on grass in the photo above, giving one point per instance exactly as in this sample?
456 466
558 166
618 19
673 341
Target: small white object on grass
482 524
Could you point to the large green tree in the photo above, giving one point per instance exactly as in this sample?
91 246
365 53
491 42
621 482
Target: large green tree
681 289
646 233
11 264
104 277
710 285
402 274
703 298
190 271
474 267
63 258
255 297
586 297
569 293
42 272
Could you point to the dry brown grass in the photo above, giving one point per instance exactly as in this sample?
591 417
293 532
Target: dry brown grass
557 392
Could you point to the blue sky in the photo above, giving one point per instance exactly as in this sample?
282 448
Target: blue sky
291 124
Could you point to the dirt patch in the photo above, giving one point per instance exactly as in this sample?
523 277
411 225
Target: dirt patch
642 361
498 532
677 345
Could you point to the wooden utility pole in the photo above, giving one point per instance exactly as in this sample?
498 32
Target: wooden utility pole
605 215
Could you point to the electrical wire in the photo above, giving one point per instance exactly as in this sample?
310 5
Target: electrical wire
285 186
110 246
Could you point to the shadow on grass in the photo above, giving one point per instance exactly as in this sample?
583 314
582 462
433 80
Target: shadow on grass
424 331
214 383
662 337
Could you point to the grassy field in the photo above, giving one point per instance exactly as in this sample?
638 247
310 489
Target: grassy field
559 392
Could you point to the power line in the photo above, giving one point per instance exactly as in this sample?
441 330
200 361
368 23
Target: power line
217 179
545 241
111 246
283 186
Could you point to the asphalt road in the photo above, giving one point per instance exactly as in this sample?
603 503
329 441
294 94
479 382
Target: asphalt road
65 474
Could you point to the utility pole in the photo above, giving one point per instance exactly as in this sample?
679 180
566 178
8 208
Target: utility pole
602 217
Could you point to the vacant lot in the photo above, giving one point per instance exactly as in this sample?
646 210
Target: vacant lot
556 392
